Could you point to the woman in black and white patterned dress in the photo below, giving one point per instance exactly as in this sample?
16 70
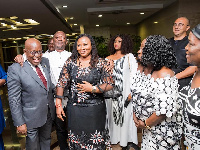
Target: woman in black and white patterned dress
122 129
155 91
191 94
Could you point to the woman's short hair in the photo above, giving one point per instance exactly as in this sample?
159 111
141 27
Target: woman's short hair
158 52
94 52
126 46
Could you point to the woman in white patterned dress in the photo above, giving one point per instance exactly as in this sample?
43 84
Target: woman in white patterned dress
155 92
121 126
190 95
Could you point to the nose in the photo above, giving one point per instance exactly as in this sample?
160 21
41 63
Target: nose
186 48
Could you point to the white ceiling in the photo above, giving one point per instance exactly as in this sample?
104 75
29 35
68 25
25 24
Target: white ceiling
51 15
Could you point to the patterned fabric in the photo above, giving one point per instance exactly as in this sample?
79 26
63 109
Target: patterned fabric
159 96
191 116
121 125
86 111
89 142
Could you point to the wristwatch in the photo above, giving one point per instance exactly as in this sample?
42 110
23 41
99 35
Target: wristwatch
146 126
94 88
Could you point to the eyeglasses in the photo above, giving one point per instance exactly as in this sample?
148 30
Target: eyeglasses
179 25
35 52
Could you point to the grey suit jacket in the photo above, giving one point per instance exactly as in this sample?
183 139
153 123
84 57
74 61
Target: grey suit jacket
28 97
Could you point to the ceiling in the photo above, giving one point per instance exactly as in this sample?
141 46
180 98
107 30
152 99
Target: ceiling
51 16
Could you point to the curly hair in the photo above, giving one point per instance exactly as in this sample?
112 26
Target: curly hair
158 53
126 46
94 53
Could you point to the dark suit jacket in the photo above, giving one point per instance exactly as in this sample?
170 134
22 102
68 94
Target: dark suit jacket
28 98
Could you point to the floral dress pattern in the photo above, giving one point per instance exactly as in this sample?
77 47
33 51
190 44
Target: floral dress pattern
86 112
191 116
159 96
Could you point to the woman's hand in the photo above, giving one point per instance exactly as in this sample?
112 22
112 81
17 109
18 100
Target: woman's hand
85 87
59 110
135 120
141 124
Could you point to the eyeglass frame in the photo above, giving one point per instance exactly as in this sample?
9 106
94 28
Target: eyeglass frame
33 53
180 25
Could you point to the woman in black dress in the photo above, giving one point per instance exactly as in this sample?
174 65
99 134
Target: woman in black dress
87 77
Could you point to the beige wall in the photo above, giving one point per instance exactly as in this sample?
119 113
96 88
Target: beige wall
166 17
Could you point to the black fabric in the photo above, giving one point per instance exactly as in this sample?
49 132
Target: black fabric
180 52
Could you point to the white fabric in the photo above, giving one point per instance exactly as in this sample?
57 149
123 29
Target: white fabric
56 61
128 131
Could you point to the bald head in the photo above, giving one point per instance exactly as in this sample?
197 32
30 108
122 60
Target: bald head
33 51
32 42
186 20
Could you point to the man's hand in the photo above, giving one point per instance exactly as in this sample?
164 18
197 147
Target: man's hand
22 129
19 59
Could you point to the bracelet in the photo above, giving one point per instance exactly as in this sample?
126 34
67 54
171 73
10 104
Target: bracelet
60 97
94 88
58 105
146 126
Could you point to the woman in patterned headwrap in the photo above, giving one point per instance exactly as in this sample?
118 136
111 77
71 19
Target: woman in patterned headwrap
190 94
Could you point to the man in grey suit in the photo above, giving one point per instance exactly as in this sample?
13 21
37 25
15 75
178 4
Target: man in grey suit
30 97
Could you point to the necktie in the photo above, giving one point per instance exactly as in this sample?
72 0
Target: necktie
39 72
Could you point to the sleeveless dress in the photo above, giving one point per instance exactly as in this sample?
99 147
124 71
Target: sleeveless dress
121 125
159 96
191 116
86 112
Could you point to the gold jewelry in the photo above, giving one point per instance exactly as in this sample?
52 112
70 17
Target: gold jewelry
146 126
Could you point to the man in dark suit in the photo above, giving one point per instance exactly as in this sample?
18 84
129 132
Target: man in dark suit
30 97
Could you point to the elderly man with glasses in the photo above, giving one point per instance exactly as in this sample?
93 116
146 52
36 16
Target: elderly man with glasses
183 70
30 97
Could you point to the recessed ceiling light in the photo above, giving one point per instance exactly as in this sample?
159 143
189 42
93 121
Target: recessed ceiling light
128 23
155 22
65 6
100 16
71 18
75 24
97 25
141 13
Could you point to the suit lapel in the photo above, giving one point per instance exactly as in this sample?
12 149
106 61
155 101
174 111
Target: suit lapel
29 70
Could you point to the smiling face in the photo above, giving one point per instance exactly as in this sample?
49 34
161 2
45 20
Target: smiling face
33 51
180 27
118 43
60 41
193 50
84 47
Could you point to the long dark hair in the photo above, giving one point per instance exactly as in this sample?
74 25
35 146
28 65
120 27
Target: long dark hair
158 53
126 46
94 52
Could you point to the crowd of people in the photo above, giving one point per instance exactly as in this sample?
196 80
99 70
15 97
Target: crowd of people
99 104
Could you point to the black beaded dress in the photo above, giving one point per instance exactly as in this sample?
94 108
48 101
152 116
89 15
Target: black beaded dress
86 112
